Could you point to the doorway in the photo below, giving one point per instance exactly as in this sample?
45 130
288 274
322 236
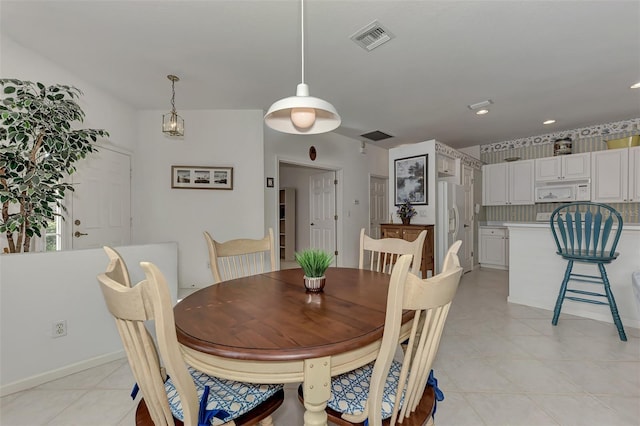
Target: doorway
378 204
315 203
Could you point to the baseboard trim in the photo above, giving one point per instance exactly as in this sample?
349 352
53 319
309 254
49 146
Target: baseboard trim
48 376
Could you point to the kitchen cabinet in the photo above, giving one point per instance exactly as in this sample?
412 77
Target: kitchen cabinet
410 233
494 247
616 175
563 167
287 231
448 168
508 183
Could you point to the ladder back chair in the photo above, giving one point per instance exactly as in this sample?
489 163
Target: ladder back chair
173 393
384 252
241 257
588 233
387 391
117 269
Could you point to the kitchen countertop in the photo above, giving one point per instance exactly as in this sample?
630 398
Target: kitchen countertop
626 226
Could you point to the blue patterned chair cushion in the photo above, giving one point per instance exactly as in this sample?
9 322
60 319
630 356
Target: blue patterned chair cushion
236 398
350 391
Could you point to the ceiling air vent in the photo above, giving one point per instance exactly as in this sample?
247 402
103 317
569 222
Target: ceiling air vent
372 36
376 135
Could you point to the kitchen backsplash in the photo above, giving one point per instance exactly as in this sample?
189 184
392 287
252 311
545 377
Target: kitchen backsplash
628 211
587 139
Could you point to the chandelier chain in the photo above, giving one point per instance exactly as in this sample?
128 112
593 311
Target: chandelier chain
173 96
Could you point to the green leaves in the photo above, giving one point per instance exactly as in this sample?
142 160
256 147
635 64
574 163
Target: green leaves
313 262
38 146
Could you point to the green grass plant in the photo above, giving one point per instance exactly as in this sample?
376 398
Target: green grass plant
314 262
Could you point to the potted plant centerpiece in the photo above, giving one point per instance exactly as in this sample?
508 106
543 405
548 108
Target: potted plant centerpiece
405 212
314 263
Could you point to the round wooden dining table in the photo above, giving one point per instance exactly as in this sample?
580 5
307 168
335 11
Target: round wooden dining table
267 329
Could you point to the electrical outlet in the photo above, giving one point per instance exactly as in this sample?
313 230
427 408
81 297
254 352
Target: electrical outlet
59 328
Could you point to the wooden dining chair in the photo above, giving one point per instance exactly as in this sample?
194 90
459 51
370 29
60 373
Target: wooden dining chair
173 393
387 391
117 268
382 254
587 233
241 257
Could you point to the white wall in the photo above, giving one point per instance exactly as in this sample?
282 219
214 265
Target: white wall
426 214
40 288
212 138
102 111
333 152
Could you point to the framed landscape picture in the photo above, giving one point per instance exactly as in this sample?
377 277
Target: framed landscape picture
411 180
200 177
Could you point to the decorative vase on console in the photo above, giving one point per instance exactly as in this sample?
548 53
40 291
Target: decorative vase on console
405 212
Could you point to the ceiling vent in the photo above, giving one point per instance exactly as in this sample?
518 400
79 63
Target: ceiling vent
372 36
376 135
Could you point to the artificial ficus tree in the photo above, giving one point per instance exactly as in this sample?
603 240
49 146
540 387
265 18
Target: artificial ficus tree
38 150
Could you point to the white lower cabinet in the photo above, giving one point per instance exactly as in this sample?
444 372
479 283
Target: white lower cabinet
494 247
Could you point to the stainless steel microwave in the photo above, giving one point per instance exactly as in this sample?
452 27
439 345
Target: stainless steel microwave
558 192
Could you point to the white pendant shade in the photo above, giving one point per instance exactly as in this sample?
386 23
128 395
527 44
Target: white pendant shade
302 114
285 115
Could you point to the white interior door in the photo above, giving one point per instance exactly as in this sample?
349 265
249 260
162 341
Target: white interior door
467 218
101 202
322 212
378 205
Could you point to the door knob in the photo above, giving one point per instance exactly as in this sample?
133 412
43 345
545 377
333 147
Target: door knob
312 223
78 234
465 225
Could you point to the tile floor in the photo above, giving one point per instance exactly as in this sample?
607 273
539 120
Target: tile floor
498 364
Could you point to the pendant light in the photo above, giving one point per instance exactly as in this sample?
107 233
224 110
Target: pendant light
302 114
172 123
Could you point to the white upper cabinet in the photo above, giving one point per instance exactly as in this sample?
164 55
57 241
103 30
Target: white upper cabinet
508 183
610 179
572 166
448 168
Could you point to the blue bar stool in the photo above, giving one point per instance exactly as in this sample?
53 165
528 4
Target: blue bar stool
585 229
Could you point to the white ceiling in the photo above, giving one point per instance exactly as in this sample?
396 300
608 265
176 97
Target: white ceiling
569 60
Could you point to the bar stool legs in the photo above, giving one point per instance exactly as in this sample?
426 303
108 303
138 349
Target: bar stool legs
611 302
563 291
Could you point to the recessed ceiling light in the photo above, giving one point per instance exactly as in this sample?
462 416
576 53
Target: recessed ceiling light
480 104
482 112
548 121
636 86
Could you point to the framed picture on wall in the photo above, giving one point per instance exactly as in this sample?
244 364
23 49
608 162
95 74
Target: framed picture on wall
201 177
411 180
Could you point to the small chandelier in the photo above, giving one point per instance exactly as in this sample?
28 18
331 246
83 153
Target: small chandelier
172 123
302 114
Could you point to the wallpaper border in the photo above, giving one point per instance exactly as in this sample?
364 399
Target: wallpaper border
575 134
